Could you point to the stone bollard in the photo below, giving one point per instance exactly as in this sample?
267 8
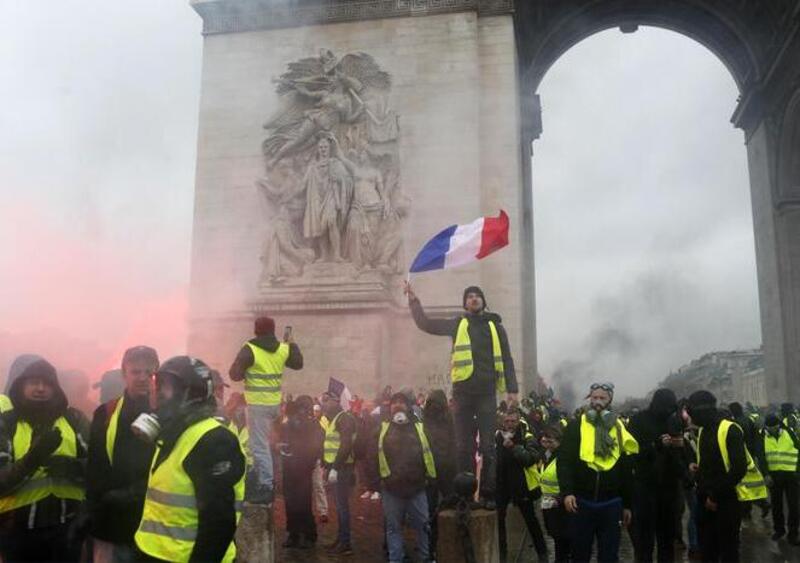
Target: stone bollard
482 529
255 536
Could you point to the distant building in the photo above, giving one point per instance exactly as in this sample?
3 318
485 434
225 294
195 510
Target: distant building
736 375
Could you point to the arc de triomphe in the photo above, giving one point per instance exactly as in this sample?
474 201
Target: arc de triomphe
336 136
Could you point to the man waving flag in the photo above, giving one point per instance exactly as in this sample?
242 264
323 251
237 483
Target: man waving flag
461 244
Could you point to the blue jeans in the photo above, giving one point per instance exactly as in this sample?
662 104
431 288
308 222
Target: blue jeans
602 520
395 510
259 426
691 524
341 494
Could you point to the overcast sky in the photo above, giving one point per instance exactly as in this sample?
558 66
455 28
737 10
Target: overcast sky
643 228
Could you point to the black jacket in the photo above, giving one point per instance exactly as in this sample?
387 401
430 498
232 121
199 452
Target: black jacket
215 465
15 470
658 468
244 359
483 379
403 450
511 464
575 477
439 428
115 493
712 479
346 425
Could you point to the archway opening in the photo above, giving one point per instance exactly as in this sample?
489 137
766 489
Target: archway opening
643 226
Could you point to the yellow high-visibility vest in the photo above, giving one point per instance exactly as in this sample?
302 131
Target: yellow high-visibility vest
549 479
427 455
752 486
5 403
40 486
532 475
780 452
333 440
461 366
168 528
262 383
629 445
111 430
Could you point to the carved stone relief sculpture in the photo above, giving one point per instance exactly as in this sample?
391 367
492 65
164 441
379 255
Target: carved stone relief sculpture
332 174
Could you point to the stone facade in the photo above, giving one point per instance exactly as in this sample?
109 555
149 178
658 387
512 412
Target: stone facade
454 91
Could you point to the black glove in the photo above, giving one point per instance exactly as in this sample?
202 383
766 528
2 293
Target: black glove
44 446
63 467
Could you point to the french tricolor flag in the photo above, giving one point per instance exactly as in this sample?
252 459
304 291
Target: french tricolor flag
461 244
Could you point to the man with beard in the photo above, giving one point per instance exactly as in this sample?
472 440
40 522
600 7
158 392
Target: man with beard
401 456
723 479
481 367
42 466
659 468
303 436
118 461
196 484
595 476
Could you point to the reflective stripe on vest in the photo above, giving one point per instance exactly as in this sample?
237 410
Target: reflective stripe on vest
780 452
752 486
111 431
40 486
427 456
461 358
550 479
333 440
168 528
5 403
262 383
629 445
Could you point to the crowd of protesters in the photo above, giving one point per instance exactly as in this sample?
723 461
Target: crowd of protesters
163 468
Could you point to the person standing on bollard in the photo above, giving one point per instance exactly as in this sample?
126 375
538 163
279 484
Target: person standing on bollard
595 475
518 458
781 452
339 461
480 367
260 365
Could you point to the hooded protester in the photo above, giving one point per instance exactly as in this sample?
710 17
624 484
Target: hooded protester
42 468
595 476
722 469
439 427
781 447
659 468
402 458
260 364
481 367
119 460
196 482
17 367
303 437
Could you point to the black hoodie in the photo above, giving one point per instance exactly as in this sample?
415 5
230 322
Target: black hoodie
658 468
244 359
14 471
482 381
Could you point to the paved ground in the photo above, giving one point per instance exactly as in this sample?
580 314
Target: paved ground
368 541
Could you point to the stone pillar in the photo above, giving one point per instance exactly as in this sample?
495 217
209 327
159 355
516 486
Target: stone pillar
482 529
255 537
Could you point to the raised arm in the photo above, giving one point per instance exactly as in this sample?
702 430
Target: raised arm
438 327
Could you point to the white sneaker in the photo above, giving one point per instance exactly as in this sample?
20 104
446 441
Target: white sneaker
365 495
375 496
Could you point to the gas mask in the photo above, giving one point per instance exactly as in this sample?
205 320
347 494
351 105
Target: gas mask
605 416
146 427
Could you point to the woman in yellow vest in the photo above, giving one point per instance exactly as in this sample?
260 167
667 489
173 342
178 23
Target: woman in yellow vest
43 447
781 448
556 518
196 482
518 479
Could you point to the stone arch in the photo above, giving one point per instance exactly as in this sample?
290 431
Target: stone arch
788 177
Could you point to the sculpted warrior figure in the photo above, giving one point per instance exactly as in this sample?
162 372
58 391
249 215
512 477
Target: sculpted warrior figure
329 195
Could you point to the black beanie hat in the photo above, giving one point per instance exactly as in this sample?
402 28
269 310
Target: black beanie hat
473 289
702 398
